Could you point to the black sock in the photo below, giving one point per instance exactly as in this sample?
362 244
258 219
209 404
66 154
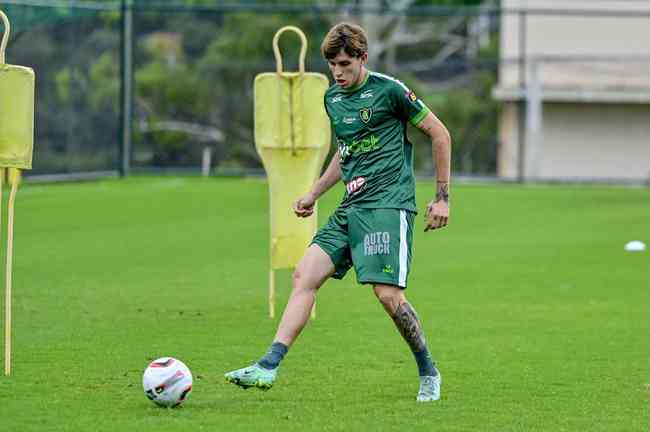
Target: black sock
425 363
274 356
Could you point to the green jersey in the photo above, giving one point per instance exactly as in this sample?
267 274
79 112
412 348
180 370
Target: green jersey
369 121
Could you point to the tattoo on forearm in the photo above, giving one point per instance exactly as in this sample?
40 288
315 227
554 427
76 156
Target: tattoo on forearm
408 324
442 192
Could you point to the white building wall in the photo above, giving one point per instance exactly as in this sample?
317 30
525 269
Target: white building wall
567 35
596 113
596 141
508 151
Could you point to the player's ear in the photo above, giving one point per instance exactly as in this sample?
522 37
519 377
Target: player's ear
364 58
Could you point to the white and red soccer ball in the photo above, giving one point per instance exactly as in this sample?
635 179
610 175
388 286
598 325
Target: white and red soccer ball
167 382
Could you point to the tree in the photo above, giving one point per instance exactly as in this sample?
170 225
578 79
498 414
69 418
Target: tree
194 72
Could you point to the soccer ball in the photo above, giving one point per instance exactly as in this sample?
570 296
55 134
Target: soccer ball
167 382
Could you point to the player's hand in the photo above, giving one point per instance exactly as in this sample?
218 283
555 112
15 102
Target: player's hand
304 206
437 215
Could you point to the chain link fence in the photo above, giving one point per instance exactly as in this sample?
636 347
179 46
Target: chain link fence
192 72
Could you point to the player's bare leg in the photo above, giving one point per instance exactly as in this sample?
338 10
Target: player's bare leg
408 324
312 271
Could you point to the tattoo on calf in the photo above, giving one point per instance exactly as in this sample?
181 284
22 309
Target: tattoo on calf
408 324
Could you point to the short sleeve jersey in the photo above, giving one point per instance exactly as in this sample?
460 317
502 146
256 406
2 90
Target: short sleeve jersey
370 122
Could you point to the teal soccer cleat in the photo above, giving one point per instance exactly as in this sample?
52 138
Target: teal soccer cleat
252 376
429 388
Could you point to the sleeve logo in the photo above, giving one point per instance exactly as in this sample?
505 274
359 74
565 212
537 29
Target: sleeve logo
412 97
355 185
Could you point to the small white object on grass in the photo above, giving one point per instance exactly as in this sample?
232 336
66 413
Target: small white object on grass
635 246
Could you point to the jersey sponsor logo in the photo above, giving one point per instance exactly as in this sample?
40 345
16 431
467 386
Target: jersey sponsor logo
357 146
365 114
376 243
355 185
336 99
366 94
412 97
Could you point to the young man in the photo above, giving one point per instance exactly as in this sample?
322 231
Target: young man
372 229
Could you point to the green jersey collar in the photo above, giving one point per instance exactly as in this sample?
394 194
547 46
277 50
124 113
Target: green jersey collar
358 86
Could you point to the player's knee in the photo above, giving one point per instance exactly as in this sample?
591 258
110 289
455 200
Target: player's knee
390 297
385 300
296 278
300 282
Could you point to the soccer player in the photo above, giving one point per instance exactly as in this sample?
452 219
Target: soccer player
372 229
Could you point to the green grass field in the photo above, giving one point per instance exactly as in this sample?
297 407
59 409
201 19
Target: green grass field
538 319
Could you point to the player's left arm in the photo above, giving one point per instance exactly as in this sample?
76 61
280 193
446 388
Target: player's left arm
437 214
409 107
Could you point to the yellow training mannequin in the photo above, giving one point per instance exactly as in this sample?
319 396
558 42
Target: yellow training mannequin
16 148
292 136
16 111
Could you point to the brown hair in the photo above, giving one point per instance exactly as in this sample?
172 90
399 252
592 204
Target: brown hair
347 37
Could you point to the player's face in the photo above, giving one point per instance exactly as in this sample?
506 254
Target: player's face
348 71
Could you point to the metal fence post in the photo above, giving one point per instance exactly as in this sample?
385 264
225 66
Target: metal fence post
521 109
126 87
534 113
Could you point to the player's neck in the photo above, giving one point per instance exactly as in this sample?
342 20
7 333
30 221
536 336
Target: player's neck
363 76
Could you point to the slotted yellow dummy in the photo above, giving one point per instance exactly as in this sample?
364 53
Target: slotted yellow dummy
16 146
292 136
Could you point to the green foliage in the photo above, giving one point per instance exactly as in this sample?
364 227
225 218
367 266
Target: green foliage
104 95
469 112
198 68
471 116
63 83
453 2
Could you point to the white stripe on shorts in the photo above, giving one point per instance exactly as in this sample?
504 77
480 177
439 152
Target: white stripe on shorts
403 249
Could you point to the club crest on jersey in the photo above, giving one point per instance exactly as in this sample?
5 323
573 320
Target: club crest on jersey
365 114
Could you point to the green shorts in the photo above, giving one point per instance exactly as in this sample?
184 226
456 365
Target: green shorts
377 242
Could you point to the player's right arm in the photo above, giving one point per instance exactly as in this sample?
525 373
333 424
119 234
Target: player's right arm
304 206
